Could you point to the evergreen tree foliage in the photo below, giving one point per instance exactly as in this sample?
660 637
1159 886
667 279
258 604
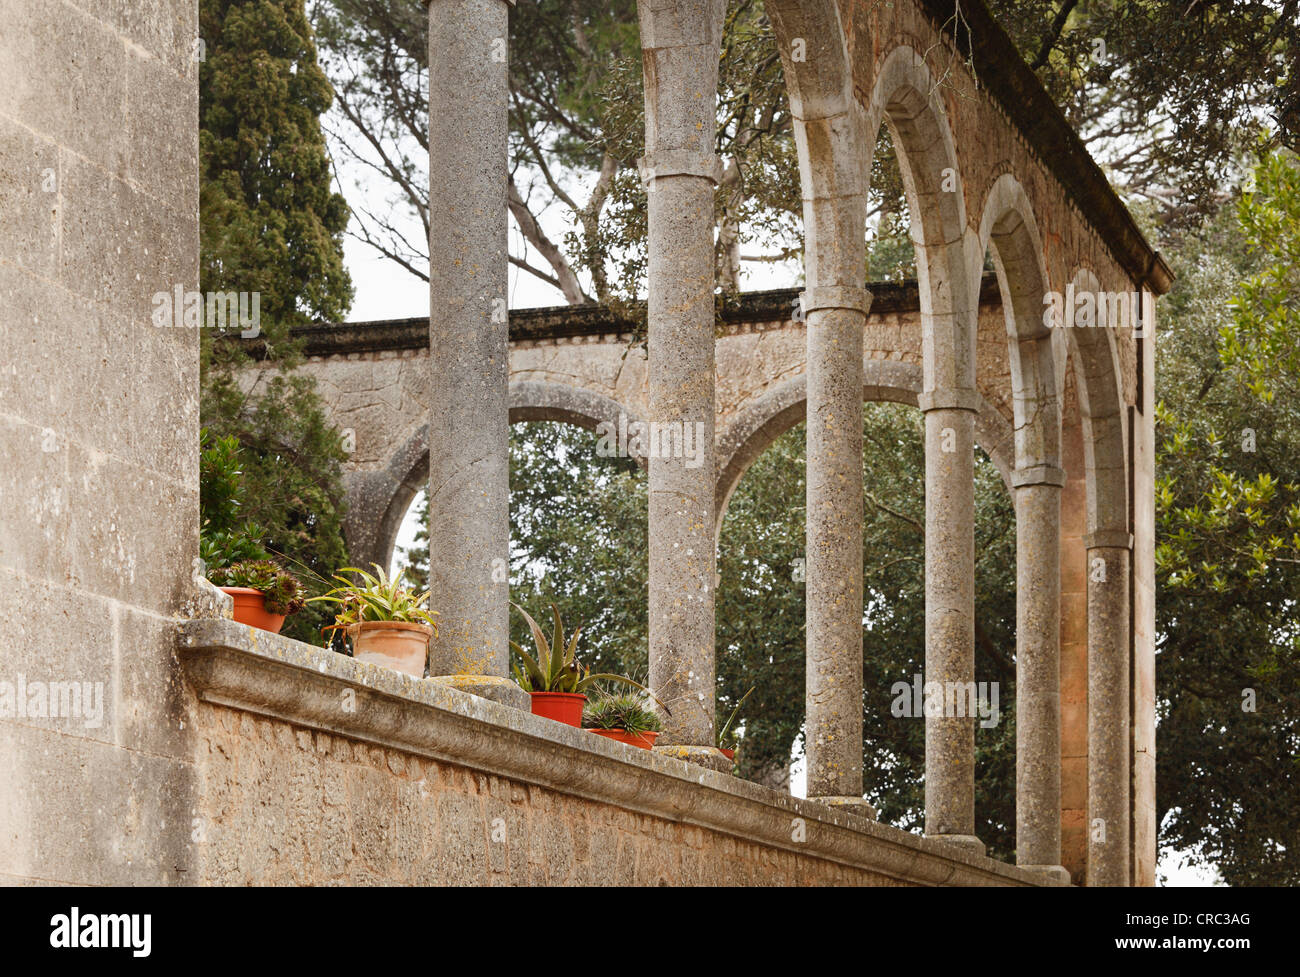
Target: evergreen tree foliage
270 223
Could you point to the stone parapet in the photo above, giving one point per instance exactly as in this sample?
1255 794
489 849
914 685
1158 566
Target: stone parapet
262 695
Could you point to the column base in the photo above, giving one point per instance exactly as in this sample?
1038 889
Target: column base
703 756
969 842
1053 873
854 805
502 690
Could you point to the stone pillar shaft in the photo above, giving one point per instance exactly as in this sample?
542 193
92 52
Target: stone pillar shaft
1108 710
680 43
1038 667
682 561
950 609
834 541
469 424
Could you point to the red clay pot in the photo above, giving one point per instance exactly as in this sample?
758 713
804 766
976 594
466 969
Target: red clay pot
644 740
563 707
398 645
730 754
250 608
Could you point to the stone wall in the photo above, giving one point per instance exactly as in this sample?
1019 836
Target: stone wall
314 768
98 426
293 806
155 774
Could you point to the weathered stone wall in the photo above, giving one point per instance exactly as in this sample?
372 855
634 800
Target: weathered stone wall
314 768
290 806
98 426
382 395
99 516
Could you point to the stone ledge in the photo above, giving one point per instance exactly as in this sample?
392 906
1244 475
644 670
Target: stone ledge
270 675
746 311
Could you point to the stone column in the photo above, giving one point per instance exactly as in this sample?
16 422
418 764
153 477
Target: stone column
680 44
469 423
1038 669
950 609
1074 649
1109 553
836 316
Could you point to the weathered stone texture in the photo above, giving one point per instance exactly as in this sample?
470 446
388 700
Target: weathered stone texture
382 396
287 806
469 487
98 476
98 427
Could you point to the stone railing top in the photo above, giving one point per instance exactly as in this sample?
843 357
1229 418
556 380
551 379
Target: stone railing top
763 310
255 671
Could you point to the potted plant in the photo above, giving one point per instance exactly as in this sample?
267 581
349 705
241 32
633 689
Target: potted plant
623 716
263 591
555 680
389 625
727 741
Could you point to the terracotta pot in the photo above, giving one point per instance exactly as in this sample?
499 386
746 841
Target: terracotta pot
730 754
644 740
250 608
393 644
563 707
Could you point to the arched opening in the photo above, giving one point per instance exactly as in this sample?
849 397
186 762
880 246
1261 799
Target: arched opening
906 103
1010 240
381 502
578 536
761 610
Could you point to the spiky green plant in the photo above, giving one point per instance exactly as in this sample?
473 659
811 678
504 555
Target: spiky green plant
556 668
380 599
725 734
629 711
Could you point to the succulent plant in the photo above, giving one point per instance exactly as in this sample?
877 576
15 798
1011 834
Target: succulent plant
556 667
630 711
281 591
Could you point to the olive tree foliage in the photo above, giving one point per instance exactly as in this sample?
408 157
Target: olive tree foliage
1168 95
1228 553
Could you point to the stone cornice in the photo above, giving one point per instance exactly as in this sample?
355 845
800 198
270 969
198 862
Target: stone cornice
240 667
761 310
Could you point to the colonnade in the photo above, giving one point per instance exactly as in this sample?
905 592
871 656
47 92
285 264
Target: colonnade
469 470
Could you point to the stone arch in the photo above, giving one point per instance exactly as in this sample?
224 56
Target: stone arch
379 499
1009 230
755 428
905 98
1101 406
829 132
